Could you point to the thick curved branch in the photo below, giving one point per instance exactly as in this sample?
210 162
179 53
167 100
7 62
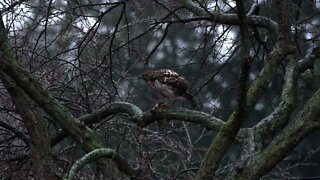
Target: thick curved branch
197 117
267 128
259 85
115 108
144 119
304 123
92 156
308 61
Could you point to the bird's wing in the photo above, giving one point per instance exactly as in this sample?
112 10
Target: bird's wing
177 83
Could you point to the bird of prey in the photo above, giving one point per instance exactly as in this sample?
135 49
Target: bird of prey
169 84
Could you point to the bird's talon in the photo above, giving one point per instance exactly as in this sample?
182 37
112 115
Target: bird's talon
160 105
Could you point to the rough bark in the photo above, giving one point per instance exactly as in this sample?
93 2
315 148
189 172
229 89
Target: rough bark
40 142
227 134
78 130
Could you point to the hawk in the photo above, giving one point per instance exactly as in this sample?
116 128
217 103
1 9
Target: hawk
169 84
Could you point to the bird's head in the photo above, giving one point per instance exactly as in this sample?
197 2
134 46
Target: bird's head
147 76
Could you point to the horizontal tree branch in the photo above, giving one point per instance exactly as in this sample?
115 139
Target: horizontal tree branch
144 119
231 19
114 108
